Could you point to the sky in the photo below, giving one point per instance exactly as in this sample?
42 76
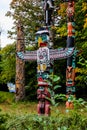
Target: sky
6 23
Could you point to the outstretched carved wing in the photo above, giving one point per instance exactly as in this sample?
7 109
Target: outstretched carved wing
53 53
28 55
61 53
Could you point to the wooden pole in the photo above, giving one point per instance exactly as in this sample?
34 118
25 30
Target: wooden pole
20 65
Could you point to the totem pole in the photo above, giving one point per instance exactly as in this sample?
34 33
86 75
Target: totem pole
44 64
70 70
20 64
45 54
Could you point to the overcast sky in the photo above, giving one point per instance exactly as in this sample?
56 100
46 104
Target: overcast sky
5 22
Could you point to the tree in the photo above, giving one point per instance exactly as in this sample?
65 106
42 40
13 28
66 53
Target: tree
30 14
20 65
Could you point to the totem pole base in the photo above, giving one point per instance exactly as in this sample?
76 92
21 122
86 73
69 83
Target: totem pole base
43 107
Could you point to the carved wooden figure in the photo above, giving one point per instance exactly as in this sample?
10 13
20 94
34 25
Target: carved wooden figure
43 106
70 11
70 76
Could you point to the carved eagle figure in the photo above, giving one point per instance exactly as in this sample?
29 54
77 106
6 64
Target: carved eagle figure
54 54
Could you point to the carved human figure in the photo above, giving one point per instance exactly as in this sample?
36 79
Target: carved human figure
43 106
70 76
70 11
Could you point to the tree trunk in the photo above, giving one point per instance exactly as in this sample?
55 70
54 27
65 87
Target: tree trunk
20 65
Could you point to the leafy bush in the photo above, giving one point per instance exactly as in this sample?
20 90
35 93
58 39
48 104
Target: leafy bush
3 119
6 97
70 121
75 119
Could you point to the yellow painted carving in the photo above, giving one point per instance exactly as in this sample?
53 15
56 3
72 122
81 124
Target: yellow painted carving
39 41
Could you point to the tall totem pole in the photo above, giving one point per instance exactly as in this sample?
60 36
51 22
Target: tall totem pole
20 64
70 71
45 55
44 63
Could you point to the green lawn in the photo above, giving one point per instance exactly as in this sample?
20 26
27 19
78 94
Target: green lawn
8 105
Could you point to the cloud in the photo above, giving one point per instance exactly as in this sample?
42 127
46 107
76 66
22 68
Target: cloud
6 22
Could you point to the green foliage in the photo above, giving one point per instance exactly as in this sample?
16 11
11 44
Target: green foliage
82 71
53 82
7 64
30 80
6 97
75 119
81 42
3 119
80 104
30 15
72 121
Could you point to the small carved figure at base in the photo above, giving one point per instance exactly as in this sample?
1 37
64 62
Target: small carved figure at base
43 107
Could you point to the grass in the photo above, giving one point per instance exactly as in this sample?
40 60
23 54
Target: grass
23 115
8 105
18 108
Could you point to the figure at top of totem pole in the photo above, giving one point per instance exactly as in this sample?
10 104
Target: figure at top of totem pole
70 11
48 6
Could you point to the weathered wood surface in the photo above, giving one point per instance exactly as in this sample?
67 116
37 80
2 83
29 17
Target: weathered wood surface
20 65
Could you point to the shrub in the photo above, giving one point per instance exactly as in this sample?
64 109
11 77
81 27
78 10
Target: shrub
3 119
70 121
6 97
